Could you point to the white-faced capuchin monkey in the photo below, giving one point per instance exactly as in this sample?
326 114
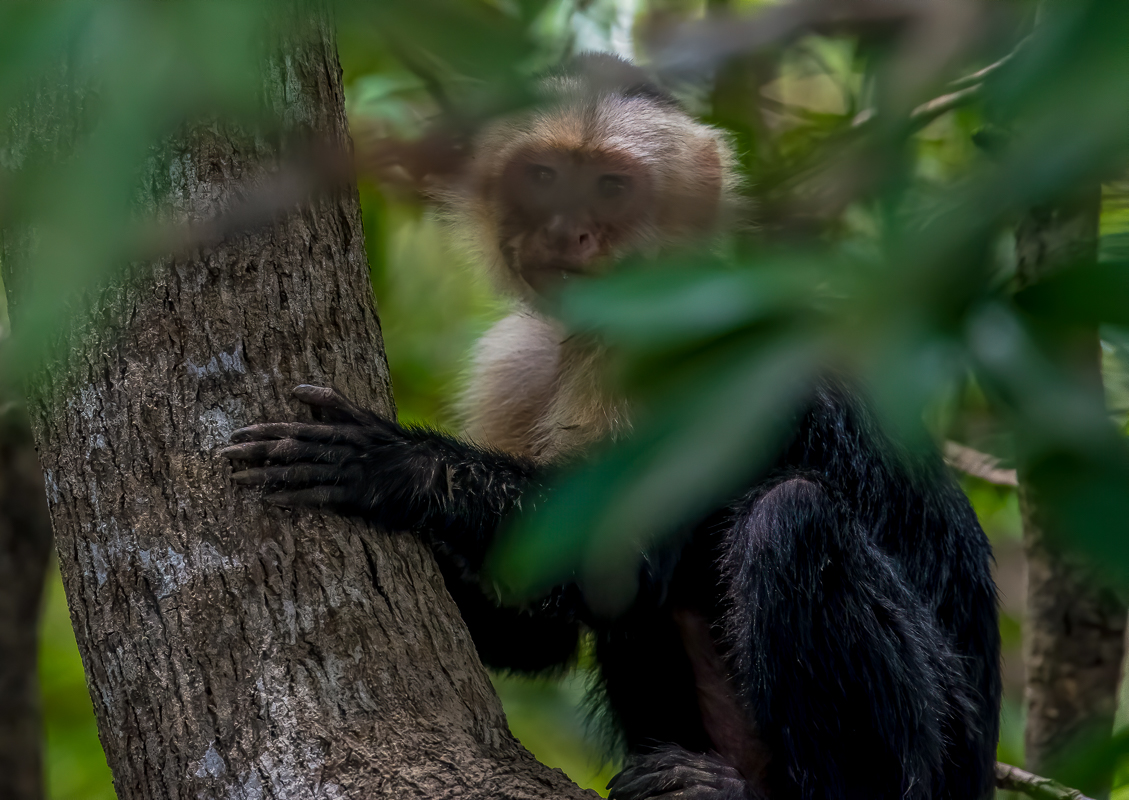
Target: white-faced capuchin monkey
831 633
611 166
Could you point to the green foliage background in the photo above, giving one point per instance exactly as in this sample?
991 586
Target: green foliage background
908 282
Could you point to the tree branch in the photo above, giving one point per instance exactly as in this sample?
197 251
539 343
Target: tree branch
980 75
939 106
979 465
964 91
928 111
1014 779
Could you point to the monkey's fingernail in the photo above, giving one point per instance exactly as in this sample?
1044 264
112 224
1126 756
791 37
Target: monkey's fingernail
309 391
281 500
244 434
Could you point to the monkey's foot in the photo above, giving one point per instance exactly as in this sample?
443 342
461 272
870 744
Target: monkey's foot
673 773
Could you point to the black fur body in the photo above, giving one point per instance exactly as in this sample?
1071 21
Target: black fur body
831 634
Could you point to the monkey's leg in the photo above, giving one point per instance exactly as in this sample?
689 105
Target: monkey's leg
842 668
541 635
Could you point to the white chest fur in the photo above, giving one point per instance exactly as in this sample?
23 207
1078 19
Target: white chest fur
537 393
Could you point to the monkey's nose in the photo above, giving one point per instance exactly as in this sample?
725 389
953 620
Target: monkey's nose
585 246
575 246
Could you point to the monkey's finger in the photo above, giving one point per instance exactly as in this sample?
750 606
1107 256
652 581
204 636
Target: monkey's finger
665 775
682 782
685 793
643 784
287 451
635 783
309 498
293 476
304 431
331 403
703 793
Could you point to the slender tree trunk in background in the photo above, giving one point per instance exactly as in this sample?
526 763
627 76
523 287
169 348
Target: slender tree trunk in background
235 650
25 544
1075 635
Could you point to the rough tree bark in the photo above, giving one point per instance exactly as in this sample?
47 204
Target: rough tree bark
25 544
1075 628
234 650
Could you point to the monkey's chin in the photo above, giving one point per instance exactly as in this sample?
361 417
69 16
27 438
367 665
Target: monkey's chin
549 279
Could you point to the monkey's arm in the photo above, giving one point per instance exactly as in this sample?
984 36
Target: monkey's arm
356 462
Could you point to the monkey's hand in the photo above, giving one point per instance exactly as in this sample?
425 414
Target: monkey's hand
334 462
673 773
355 462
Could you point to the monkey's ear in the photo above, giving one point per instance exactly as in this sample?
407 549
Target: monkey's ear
692 204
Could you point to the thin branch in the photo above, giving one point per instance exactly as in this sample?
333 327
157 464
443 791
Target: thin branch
1014 779
431 82
979 76
928 111
697 48
939 106
979 465
965 90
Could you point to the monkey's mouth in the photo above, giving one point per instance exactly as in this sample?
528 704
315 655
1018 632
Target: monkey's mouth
549 277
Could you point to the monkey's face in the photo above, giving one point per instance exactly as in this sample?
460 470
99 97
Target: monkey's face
565 213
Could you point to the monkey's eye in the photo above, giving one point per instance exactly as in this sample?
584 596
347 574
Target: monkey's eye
542 176
612 186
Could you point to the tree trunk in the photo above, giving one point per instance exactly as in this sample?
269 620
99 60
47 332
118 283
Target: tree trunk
1075 629
25 544
235 650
